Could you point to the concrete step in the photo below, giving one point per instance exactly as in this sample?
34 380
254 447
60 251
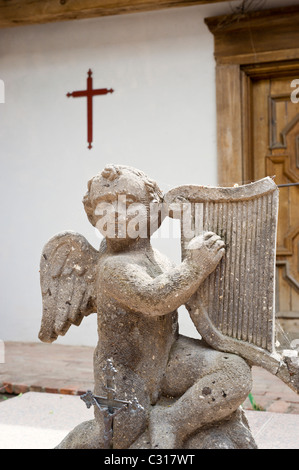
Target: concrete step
39 420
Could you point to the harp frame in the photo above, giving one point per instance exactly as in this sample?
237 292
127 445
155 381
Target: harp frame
248 225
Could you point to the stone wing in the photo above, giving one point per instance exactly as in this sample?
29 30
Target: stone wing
67 275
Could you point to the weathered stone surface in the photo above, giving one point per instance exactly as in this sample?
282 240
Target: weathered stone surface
135 292
87 435
231 433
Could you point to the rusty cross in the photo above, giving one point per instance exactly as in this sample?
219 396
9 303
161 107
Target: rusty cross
109 405
89 93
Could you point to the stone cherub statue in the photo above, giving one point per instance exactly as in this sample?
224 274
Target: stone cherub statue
188 393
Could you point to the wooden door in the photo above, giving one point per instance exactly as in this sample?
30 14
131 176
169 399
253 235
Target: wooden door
275 152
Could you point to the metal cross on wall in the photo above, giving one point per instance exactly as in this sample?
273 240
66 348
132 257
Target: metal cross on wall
89 93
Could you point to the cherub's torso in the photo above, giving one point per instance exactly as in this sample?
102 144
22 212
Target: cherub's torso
134 340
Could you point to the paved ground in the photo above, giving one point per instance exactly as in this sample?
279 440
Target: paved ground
41 420
51 368
67 370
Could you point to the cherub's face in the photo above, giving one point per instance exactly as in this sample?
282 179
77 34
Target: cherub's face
120 206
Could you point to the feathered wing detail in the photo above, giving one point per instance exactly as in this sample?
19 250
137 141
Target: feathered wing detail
67 275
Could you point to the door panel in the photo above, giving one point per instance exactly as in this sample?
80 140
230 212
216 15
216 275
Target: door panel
275 145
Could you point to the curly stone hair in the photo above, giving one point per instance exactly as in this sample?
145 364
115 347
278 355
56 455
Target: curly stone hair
112 172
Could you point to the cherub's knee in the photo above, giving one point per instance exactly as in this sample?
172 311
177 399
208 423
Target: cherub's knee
238 373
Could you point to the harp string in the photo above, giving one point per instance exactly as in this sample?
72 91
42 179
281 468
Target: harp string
242 270
236 295
248 235
268 343
264 277
271 298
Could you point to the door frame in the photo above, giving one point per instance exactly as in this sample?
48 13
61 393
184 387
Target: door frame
247 47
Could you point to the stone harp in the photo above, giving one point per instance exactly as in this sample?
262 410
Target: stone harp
234 308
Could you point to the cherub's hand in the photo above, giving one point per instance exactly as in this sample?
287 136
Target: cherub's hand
206 249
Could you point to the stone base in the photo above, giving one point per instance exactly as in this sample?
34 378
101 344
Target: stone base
41 420
231 433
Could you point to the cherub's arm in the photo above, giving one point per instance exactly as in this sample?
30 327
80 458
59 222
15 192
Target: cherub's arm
134 289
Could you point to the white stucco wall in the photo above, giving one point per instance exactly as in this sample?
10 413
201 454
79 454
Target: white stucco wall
161 119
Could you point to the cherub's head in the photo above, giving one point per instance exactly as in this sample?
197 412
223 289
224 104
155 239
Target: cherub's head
124 190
